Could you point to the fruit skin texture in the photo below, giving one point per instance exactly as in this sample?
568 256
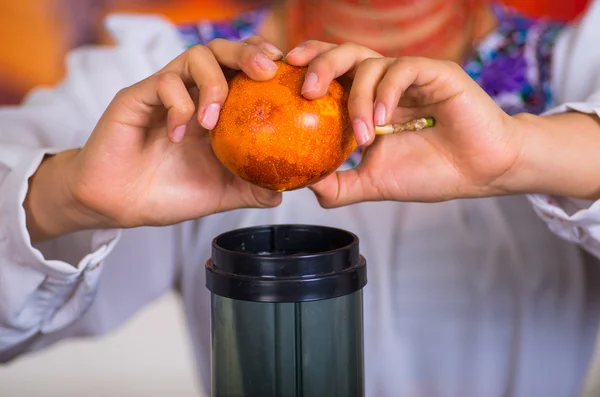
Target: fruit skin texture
270 135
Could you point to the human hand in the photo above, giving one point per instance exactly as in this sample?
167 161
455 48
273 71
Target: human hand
149 160
472 151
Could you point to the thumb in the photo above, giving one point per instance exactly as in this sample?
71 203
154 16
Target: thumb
344 188
264 198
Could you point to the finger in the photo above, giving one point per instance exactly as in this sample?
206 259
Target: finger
135 105
343 59
344 188
242 194
198 67
305 52
401 74
362 96
416 82
250 196
405 114
174 95
202 66
264 198
273 52
253 56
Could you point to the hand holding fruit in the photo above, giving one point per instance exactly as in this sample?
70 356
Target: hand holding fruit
472 151
149 160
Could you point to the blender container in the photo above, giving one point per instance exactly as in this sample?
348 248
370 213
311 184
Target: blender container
286 312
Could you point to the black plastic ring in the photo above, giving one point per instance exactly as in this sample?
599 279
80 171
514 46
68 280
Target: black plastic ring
285 263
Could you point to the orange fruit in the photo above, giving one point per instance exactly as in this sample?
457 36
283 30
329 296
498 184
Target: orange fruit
270 135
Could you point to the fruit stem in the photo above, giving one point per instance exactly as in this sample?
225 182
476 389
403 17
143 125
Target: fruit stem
414 125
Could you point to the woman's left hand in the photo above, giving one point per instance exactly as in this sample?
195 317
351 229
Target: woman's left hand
472 151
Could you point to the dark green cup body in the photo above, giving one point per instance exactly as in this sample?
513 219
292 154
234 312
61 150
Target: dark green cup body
287 312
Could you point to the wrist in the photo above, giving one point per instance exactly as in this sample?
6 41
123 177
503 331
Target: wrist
50 205
523 176
558 156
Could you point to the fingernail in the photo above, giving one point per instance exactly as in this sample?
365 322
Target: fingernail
210 116
310 83
178 134
360 131
271 49
379 114
295 51
264 62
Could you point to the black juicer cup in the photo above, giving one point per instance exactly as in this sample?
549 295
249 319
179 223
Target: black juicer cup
287 312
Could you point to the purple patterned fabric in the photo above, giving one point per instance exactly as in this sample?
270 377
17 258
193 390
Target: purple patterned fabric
513 64
237 29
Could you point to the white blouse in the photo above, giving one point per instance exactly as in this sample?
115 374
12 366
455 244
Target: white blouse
465 298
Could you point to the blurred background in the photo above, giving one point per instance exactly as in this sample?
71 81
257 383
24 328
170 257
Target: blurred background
38 33
150 355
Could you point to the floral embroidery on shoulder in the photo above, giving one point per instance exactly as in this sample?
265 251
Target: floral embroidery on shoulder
239 28
513 65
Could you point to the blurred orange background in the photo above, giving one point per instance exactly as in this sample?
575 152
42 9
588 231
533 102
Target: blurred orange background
38 33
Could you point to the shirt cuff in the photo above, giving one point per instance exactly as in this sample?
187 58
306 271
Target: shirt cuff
96 245
590 107
572 219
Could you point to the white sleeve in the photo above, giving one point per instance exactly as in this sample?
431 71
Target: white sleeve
46 287
576 84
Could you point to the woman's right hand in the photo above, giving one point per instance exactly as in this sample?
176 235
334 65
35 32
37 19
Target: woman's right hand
148 161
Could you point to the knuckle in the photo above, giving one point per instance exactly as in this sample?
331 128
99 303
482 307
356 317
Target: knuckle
168 79
214 91
246 58
351 47
355 100
348 45
186 109
322 62
311 43
401 62
318 46
253 40
417 59
406 64
369 63
385 90
198 53
213 43
453 66
363 68
249 52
